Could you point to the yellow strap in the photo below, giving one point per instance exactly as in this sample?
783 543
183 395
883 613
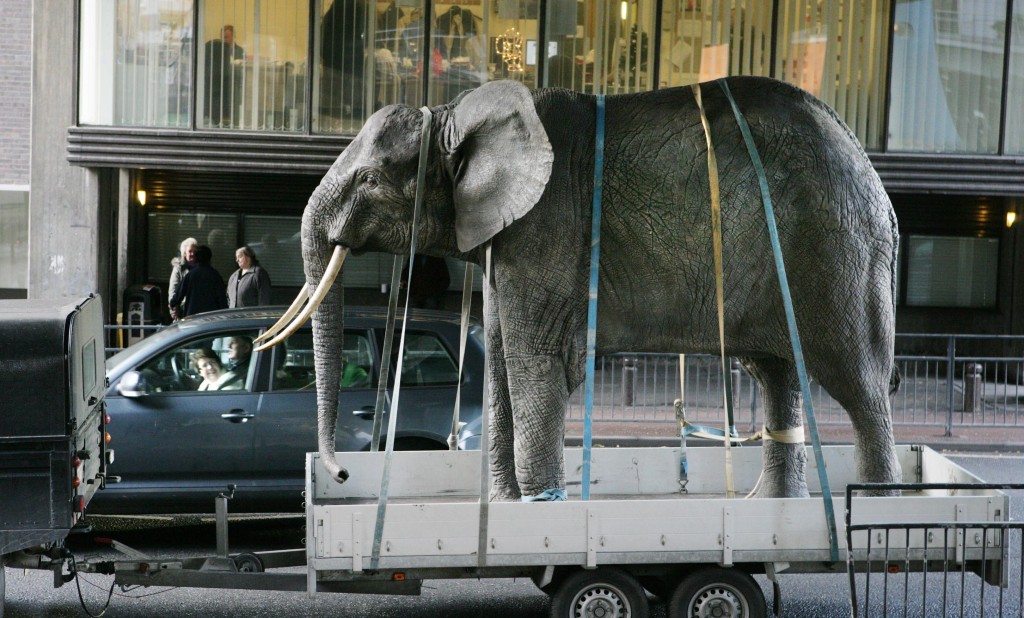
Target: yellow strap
716 235
793 435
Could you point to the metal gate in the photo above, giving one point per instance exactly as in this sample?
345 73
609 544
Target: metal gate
940 568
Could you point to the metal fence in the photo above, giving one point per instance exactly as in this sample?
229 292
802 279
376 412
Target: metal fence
947 381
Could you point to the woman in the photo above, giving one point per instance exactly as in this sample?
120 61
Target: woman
250 284
179 266
214 377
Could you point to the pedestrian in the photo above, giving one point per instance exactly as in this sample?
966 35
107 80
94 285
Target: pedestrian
185 259
202 288
250 284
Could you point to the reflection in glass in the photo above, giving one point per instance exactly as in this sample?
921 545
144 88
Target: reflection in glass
947 65
1015 98
252 64
135 65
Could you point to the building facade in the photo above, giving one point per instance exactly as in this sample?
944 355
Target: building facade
157 120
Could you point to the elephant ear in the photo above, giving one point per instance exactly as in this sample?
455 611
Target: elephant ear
499 158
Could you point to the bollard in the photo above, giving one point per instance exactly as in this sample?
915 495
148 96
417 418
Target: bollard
628 380
972 387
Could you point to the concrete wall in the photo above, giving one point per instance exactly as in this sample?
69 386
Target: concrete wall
15 90
69 224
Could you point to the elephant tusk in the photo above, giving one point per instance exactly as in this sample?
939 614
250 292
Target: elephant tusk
300 299
333 269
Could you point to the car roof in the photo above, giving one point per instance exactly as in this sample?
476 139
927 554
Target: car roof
258 317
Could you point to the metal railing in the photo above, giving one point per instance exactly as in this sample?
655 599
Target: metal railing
947 381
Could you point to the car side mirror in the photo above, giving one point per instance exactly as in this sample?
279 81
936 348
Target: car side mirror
133 384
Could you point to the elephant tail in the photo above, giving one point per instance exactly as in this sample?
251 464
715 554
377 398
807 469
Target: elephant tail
895 379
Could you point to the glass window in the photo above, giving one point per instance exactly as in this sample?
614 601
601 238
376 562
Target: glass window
343 78
947 70
220 363
1015 97
135 60
427 362
946 271
252 64
837 51
14 240
277 244
294 369
167 230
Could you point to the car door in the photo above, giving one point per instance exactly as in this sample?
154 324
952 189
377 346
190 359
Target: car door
180 442
286 423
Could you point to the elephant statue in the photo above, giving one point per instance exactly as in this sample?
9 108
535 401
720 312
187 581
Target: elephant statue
510 170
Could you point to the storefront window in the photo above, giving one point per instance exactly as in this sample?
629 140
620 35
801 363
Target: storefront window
1015 97
837 51
135 63
252 64
168 229
13 241
947 271
947 71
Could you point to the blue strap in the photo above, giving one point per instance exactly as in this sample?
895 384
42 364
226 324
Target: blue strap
595 252
794 336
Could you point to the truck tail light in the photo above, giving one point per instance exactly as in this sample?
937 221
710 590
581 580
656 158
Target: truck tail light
106 437
106 418
79 504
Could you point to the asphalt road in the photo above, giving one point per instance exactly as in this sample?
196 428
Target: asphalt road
31 593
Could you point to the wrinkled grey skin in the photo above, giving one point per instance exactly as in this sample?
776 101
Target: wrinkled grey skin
515 168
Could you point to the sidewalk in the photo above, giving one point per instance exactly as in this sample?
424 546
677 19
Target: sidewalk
964 438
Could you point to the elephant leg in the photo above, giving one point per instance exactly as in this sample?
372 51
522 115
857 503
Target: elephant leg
539 395
866 400
783 463
504 487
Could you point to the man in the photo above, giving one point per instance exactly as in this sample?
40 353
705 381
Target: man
223 77
239 354
202 288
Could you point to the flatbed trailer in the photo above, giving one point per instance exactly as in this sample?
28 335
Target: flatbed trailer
644 527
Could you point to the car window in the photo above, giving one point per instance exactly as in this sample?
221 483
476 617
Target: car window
208 365
427 362
295 370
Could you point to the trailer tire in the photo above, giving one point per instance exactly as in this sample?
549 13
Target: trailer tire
586 592
245 563
716 591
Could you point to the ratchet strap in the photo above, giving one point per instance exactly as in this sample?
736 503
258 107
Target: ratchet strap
467 300
716 241
485 468
787 301
595 252
385 365
382 502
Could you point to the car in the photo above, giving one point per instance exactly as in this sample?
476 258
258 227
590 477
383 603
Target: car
177 447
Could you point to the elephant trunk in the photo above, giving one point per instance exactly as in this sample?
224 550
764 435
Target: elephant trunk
328 331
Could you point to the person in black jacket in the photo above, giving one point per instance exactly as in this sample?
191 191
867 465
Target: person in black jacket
202 287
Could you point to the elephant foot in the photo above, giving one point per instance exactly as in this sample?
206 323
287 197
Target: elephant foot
783 472
504 495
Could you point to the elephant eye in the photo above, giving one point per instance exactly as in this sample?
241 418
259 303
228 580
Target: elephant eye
371 181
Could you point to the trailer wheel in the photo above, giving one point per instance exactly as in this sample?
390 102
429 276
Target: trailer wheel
245 563
714 591
604 593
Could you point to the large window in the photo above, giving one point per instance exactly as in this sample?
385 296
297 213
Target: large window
947 69
1015 121
948 271
252 64
13 240
135 63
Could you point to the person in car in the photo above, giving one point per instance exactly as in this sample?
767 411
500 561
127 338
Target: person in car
239 353
215 378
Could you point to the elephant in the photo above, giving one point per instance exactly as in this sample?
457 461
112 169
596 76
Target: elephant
510 170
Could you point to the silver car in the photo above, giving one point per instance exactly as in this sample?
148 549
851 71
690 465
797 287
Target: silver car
182 431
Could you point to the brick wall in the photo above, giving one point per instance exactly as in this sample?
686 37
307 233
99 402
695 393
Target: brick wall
15 90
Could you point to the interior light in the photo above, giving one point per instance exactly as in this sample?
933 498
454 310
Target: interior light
141 194
624 10
1011 218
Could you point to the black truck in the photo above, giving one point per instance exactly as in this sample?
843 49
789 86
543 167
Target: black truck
53 426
